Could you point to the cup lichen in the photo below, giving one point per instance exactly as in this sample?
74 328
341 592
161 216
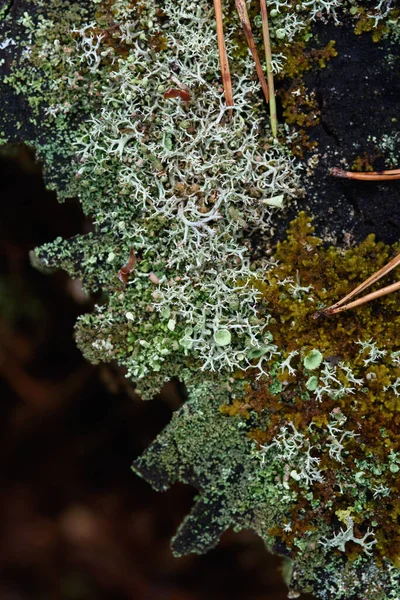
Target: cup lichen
291 425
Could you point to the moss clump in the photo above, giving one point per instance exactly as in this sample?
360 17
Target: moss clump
306 454
346 368
317 276
370 21
300 107
302 58
363 163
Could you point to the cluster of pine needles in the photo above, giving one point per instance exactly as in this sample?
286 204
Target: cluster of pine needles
267 84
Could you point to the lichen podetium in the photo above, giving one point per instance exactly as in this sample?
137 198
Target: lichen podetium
307 451
290 427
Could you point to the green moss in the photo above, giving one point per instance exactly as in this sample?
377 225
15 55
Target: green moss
274 438
366 22
330 273
359 378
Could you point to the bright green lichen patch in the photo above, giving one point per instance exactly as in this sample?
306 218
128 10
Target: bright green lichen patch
222 337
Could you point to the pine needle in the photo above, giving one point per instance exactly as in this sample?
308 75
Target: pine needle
270 76
372 296
344 303
223 56
245 21
367 176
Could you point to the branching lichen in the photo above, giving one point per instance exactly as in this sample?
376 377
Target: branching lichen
291 425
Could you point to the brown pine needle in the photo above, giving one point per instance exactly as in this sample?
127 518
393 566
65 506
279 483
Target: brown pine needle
223 56
341 305
270 76
372 296
245 21
369 176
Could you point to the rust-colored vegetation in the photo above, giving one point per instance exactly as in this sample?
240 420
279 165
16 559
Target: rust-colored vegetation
373 412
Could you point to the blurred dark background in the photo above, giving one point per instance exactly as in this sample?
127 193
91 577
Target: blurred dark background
75 522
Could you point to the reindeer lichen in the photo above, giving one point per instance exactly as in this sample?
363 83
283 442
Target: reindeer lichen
290 427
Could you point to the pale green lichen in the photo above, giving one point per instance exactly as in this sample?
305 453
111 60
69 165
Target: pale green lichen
127 112
313 359
189 184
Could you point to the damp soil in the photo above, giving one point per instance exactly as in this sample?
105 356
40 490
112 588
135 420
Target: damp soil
358 96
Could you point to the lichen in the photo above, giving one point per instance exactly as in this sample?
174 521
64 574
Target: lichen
377 21
290 423
312 468
190 185
351 414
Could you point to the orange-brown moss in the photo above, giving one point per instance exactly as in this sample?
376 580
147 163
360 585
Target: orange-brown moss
366 24
300 59
300 107
236 408
373 413
332 273
363 162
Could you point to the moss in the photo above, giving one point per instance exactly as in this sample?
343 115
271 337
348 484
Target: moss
300 107
302 58
331 273
366 22
307 277
363 163
359 465
272 441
